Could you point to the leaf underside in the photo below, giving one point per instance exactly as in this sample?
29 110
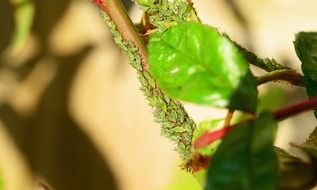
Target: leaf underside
246 160
306 49
294 173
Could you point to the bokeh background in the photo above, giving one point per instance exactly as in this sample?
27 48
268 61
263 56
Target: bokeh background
71 114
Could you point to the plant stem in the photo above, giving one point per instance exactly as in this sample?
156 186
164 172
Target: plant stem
169 113
117 13
279 115
286 75
285 113
265 64
210 137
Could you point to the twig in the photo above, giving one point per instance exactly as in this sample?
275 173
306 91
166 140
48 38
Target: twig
175 122
286 75
210 137
117 13
263 63
279 115
296 109
228 117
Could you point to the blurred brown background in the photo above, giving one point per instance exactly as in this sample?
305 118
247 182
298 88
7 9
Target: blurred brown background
71 114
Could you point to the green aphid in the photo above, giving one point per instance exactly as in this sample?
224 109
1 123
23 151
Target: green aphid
175 123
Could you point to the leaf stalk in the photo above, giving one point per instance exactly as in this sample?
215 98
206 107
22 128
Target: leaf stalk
279 115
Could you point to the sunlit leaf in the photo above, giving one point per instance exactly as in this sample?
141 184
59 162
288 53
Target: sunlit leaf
193 62
246 160
208 126
201 176
183 181
1 181
24 19
1 185
144 2
306 49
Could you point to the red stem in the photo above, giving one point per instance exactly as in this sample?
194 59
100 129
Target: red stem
296 109
210 137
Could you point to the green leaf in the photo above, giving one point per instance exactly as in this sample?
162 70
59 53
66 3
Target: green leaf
1 182
208 126
144 2
24 19
194 63
302 174
310 146
1 185
200 176
271 100
183 180
306 49
312 139
245 159
294 173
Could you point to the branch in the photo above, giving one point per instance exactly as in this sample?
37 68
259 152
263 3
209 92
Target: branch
285 113
286 75
265 64
169 113
279 115
117 13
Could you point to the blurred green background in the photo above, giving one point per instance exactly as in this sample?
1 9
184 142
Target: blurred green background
68 98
